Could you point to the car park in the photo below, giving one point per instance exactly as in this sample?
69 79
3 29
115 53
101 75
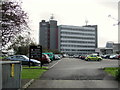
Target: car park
24 59
93 57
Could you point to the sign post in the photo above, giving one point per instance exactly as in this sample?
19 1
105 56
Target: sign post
35 52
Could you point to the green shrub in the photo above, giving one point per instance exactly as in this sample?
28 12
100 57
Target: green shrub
118 74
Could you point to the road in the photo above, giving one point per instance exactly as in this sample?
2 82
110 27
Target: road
76 73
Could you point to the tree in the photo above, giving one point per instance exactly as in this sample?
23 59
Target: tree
13 21
21 45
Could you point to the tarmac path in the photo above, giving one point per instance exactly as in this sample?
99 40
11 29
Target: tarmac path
76 73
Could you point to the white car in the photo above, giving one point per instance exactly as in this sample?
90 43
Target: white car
24 59
114 56
57 57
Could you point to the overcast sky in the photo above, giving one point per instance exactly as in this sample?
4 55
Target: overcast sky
75 12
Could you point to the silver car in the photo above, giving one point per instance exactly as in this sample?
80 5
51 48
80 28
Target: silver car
24 59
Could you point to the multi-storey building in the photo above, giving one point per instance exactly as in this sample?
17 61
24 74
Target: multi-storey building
68 39
48 34
77 40
116 47
44 35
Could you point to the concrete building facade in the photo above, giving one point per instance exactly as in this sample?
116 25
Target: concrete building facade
77 39
111 48
104 51
48 34
116 47
53 34
68 39
44 34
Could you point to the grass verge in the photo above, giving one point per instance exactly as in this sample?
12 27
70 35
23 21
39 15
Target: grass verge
114 71
111 70
34 72
2 57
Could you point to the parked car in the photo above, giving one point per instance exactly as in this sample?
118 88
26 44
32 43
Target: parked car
57 57
71 56
65 55
114 56
93 57
60 56
50 54
24 59
76 56
106 56
118 57
83 57
45 58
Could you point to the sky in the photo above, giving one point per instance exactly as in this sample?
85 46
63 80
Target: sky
75 12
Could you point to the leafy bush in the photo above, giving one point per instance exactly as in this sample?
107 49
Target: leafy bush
118 74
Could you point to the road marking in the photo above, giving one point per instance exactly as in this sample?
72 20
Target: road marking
55 64
28 84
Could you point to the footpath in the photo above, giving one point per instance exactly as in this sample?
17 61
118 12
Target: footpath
25 83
